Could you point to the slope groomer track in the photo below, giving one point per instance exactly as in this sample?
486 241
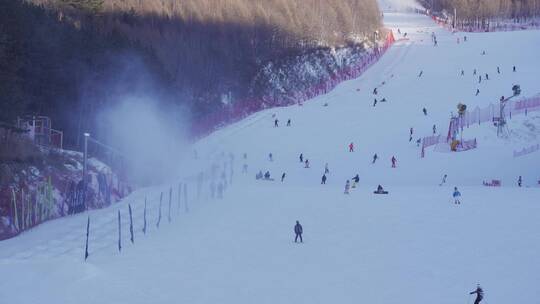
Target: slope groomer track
413 245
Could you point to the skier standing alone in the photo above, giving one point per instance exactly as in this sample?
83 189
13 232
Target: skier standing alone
351 147
298 232
456 196
479 294
394 161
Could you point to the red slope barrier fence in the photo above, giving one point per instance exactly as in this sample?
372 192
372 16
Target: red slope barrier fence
243 108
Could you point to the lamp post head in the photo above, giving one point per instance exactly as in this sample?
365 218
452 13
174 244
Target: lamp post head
86 134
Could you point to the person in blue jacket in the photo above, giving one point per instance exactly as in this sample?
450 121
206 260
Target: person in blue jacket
298 231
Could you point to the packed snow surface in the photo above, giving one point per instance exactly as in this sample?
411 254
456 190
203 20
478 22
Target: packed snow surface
413 245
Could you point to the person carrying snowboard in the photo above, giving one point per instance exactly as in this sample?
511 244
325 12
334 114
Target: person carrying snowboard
298 230
479 294
456 196
347 187
323 179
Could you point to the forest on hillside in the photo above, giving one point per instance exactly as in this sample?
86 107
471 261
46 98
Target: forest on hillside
469 10
70 58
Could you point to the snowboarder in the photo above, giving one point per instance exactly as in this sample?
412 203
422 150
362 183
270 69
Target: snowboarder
326 170
323 179
270 157
283 177
347 187
519 181
380 190
356 180
301 157
456 196
425 111
351 147
298 230
434 129
276 123
479 294
306 163
374 158
394 161
267 175
289 122
477 92
375 102
443 180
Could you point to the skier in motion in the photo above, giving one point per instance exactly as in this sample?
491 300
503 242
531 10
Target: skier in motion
298 230
351 147
456 196
394 161
443 180
479 294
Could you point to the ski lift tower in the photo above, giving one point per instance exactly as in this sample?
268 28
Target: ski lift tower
502 128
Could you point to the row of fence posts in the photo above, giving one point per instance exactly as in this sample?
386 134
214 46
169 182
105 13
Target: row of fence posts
182 190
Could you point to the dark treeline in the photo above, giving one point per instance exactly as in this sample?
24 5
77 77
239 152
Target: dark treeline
70 58
472 10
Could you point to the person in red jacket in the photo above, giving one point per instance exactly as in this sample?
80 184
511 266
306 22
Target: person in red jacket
351 147
394 161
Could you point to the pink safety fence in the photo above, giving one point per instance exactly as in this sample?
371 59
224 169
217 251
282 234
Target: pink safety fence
243 108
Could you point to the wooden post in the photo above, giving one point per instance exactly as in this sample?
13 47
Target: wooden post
159 217
119 233
170 202
185 198
144 217
87 234
131 224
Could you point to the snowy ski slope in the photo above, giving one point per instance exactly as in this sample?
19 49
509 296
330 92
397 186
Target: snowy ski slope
411 246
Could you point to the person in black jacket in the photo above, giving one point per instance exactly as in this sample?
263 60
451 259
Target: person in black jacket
323 179
298 231
479 294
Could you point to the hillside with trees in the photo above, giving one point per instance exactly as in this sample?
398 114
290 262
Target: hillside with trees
70 58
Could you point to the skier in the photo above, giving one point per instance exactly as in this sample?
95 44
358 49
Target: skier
326 170
479 294
374 158
443 180
306 163
514 69
245 155
301 157
498 70
474 72
298 230
267 175
421 72
394 161
477 92
375 102
347 187
425 111
259 175
479 78
276 123
434 129
283 177
323 179
356 180
289 122
456 196
351 147
519 181
465 38
375 91
411 131
462 73
270 157
418 142
487 76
